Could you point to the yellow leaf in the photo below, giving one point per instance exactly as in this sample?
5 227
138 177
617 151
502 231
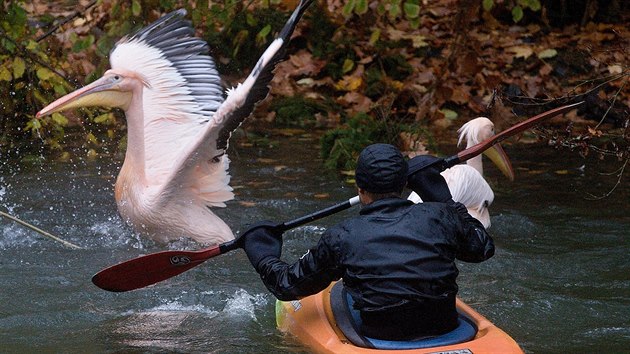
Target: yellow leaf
44 74
92 154
18 67
349 83
59 119
5 75
375 36
521 51
347 65
562 172
92 139
547 53
64 157
419 41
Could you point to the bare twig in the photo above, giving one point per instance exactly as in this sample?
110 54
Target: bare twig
619 172
612 103
38 230
65 20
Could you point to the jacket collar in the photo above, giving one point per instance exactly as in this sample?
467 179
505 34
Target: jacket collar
384 205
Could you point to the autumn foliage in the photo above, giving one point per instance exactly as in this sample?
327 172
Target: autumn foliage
407 72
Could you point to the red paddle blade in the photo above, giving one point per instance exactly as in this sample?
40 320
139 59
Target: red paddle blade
149 269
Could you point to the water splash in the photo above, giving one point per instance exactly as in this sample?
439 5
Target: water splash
242 303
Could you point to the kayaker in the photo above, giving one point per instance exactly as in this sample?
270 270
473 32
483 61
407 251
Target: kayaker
396 258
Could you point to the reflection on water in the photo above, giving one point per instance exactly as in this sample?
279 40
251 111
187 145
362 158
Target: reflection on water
558 283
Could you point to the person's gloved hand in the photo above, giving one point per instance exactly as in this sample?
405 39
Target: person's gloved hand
261 241
427 182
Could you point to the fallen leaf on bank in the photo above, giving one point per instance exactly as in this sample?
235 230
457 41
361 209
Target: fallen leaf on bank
358 101
349 83
615 69
448 113
595 132
521 51
547 53
247 204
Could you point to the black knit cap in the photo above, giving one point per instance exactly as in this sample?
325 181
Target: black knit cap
381 168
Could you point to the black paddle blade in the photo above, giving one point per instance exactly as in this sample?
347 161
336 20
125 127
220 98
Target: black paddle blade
149 269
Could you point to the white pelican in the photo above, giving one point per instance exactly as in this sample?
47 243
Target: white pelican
178 125
466 181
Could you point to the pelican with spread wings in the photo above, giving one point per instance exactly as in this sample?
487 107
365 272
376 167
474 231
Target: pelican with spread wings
466 181
178 125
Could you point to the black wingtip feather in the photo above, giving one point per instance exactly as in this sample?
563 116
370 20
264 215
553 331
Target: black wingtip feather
260 90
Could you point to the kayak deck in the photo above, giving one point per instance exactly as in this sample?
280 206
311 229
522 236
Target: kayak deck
312 322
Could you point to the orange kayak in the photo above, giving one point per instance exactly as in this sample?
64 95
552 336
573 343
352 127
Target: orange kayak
317 323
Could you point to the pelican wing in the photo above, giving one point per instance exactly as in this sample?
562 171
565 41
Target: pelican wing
204 166
182 90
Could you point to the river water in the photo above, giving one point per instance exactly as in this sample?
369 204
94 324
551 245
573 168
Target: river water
559 282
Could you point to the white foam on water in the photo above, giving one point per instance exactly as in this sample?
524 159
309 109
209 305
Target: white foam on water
242 303
177 306
14 235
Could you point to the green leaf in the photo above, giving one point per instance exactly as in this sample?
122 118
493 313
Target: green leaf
264 32
103 118
415 23
60 89
136 8
394 11
535 5
60 119
347 66
33 124
18 67
449 114
380 8
31 45
348 7
81 44
517 13
411 10
251 20
375 36
361 7
44 74
488 4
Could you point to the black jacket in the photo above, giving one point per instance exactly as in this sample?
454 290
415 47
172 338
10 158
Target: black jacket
394 253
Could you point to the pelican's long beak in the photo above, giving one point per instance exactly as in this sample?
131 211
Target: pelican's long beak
102 92
500 159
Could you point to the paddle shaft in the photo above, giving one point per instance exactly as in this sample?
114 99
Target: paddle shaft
467 154
152 268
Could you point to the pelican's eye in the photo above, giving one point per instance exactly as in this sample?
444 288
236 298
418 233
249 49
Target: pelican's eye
486 204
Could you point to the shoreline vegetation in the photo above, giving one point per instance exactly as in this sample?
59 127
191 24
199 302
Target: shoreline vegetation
357 71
